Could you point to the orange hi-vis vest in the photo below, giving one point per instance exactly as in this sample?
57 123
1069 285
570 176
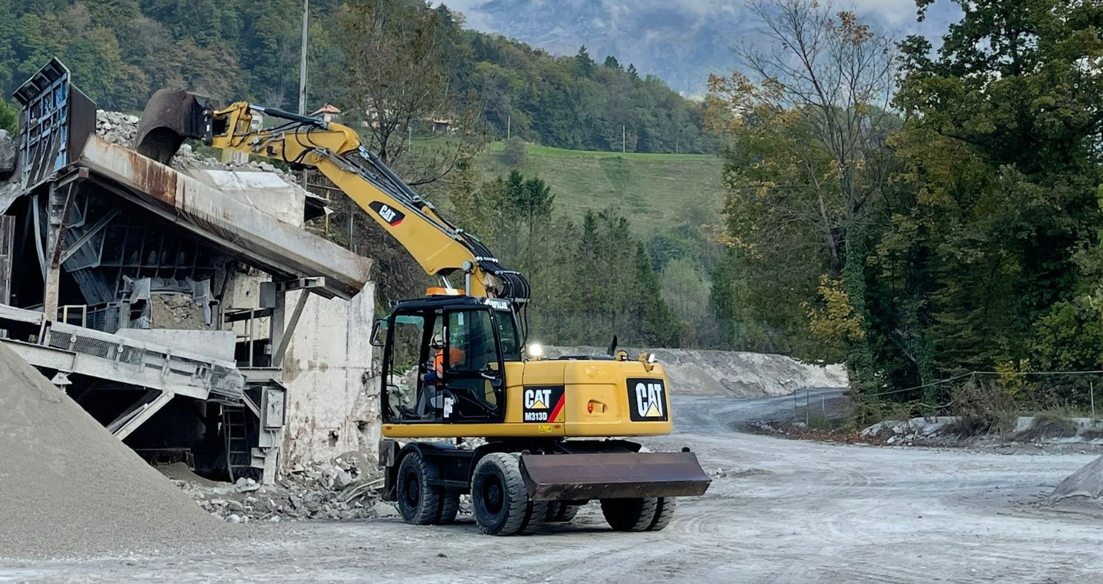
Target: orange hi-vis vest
454 356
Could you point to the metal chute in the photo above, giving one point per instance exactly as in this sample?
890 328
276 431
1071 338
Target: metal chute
613 475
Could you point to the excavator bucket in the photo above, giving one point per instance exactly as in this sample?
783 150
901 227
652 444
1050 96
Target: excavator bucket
170 117
627 475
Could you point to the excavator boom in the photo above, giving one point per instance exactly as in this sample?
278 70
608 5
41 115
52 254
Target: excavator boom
442 249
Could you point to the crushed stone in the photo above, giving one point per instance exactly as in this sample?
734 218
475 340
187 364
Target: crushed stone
70 488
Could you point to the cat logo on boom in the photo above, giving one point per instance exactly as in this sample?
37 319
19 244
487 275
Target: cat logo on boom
542 404
389 214
647 399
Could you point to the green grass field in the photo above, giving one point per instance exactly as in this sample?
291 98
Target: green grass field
650 189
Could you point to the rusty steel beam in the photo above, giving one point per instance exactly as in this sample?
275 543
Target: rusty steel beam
244 231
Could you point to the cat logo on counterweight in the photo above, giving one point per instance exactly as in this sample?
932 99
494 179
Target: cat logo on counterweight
647 400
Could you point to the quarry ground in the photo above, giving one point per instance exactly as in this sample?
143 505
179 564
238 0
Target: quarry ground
778 511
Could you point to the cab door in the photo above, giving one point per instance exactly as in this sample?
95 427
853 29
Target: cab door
473 376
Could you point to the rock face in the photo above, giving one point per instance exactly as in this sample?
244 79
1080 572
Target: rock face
731 373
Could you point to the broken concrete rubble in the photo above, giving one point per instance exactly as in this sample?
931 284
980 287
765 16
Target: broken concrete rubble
346 488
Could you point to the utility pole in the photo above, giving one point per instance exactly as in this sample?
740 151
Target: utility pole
509 126
302 59
623 140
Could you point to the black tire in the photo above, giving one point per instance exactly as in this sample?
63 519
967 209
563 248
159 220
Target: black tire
418 503
664 512
498 497
536 514
449 506
629 514
563 511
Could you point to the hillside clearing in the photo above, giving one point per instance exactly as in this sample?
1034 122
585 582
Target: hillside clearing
652 190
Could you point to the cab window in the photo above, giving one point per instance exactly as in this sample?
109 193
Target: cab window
507 331
471 344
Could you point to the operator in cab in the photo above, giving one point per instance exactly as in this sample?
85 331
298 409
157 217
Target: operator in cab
435 374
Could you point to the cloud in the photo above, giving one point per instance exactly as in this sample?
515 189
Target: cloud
893 13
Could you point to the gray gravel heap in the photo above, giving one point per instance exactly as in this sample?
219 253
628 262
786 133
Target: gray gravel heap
1084 486
68 487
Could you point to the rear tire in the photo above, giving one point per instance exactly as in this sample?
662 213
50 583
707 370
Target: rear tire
418 503
629 514
449 506
498 496
563 511
664 512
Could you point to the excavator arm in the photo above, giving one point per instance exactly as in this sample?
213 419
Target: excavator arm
441 248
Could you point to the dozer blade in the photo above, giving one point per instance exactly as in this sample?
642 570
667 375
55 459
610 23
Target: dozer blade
170 117
563 477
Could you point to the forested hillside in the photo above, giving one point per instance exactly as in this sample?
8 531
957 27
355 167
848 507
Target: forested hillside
936 213
120 51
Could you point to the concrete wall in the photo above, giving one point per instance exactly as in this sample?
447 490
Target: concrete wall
333 392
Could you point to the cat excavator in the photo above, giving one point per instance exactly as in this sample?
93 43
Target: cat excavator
468 405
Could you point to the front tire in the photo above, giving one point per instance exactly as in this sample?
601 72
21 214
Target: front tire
418 503
498 494
664 513
629 514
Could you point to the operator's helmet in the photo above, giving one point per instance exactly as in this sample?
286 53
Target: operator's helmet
437 342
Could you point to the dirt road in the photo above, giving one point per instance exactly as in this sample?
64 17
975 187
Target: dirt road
780 511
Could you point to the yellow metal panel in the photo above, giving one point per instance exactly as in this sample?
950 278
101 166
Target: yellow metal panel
596 396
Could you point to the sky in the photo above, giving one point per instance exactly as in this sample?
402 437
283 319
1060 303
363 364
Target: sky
893 13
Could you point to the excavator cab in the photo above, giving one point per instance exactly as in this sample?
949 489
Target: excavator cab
444 360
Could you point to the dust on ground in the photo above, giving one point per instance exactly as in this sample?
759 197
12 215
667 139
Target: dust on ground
777 511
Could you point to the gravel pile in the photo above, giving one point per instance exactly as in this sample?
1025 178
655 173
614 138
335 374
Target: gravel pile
345 490
1082 488
120 128
68 487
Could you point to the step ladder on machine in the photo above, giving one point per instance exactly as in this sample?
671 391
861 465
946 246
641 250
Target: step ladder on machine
235 425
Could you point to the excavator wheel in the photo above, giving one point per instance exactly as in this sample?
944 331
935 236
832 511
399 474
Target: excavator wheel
630 514
664 512
499 498
449 506
419 503
563 512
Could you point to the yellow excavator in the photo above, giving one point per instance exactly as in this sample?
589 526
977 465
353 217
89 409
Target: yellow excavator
549 434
